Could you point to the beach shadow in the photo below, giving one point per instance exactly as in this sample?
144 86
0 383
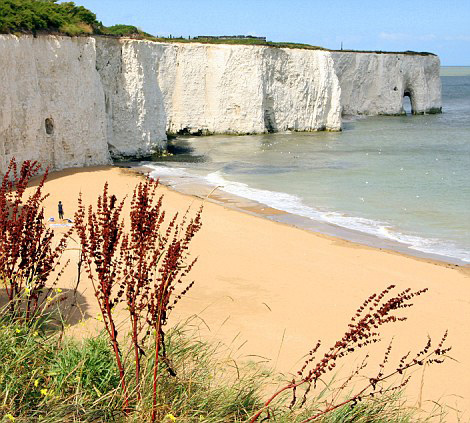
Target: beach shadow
66 305
53 175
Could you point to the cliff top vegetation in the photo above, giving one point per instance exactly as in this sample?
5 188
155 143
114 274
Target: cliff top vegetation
49 16
31 16
258 42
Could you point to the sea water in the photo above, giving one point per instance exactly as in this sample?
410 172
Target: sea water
404 179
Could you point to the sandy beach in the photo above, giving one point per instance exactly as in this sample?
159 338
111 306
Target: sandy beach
270 291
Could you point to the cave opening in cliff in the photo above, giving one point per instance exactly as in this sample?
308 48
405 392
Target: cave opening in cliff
49 124
407 103
269 115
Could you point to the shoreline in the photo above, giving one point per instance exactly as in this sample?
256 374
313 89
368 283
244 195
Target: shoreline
268 291
328 230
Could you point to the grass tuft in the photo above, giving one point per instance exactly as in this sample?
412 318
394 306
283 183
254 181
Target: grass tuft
84 367
50 378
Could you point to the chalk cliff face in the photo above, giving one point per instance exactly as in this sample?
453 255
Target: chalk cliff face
51 102
154 88
374 84
243 89
72 101
136 118
300 91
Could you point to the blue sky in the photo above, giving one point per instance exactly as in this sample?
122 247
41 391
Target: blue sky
441 27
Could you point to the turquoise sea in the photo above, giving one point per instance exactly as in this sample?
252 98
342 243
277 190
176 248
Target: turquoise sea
397 182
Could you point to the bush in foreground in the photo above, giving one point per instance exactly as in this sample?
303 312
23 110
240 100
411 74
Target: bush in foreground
29 254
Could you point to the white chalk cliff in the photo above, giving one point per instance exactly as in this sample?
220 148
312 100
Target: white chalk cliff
73 101
374 84
51 80
154 88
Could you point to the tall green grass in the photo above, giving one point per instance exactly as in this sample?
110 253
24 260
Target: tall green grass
48 377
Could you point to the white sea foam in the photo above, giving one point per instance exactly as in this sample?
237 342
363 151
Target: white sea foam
293 204
164 171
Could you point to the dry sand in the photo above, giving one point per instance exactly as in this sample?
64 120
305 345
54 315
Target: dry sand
271 290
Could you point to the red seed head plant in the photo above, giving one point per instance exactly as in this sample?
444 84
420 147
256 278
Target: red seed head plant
100 234
145 267
376 311
170 255
28 255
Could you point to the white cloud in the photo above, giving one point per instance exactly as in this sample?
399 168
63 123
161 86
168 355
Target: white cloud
394 36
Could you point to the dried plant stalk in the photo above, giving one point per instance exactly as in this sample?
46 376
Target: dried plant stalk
100 235
27 252
145 268
378 310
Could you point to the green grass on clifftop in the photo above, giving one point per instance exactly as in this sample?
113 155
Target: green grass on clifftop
236 41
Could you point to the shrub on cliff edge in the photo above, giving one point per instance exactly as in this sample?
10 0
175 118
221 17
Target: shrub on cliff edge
47 15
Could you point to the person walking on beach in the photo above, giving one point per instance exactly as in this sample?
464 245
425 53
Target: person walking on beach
61 210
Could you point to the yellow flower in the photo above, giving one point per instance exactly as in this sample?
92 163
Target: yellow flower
171 417
59 290
36 383
18 330
10 417
35 333
43 392
27 291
